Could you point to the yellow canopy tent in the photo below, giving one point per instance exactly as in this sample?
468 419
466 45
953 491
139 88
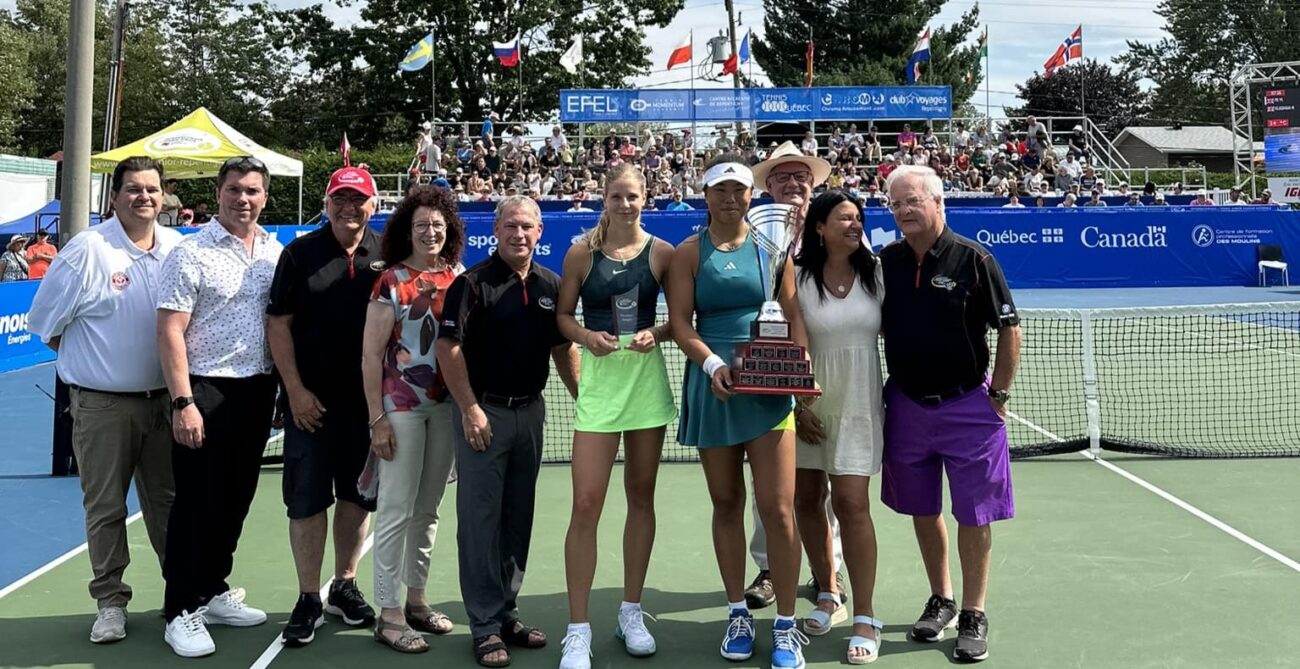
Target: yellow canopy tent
195 147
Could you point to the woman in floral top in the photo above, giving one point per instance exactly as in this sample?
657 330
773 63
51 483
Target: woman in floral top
13 266
410 417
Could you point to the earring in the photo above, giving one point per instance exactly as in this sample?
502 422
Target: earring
821 240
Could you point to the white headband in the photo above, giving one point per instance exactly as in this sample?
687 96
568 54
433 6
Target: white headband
737 172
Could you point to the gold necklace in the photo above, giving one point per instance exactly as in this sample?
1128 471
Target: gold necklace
728 245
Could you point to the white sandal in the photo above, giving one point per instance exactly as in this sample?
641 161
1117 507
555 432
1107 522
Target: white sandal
819 622
872 646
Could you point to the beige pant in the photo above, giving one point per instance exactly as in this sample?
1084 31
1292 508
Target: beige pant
116 439
411 486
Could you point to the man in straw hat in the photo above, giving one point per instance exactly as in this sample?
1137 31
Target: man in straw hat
789 176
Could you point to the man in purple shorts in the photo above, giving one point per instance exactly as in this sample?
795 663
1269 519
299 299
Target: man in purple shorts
943 293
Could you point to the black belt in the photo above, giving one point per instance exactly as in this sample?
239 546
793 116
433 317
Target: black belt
138 394
508 401
935 399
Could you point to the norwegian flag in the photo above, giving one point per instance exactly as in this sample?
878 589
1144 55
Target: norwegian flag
1070 50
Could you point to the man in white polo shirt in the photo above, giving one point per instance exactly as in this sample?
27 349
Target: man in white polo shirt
96 309
213 346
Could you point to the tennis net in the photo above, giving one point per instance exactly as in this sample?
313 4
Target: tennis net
1217 381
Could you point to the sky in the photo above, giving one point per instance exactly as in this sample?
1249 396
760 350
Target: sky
1022 36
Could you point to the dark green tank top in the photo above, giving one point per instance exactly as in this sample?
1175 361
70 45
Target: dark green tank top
608 277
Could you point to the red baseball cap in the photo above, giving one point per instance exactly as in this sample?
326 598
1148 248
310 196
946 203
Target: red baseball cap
353 178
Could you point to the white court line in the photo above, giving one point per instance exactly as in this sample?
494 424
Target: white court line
1169 497
1225 339
40 571
268 656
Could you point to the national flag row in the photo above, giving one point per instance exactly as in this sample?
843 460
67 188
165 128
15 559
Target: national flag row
1069 51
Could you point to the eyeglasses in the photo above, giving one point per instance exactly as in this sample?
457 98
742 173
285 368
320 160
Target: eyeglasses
910 203
425 227
244 162
801 177
344 200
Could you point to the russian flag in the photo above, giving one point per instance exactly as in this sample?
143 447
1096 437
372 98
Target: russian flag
507 52
920 54
1071 49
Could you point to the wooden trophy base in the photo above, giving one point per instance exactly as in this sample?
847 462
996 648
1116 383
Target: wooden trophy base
771 366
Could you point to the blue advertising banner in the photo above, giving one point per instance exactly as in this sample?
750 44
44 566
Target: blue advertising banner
18 347
824 103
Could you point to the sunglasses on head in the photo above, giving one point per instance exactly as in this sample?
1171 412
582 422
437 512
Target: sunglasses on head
244 163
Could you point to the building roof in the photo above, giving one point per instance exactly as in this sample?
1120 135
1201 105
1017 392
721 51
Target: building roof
1188 139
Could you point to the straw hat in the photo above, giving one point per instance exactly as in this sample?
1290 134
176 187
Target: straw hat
789 153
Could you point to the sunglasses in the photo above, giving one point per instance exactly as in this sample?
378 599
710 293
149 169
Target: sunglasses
244 163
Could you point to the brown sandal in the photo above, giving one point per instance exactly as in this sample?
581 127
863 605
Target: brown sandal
521 635
426 619
410 640
484 646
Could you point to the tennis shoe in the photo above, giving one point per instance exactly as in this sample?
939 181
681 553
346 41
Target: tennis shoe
760 593
576 649
188 636
787 645
110 625
972 636
346 601
738 643
632 630
306 617
224 610
940 614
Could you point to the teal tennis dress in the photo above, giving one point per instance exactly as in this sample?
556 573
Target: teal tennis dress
728 294
624 390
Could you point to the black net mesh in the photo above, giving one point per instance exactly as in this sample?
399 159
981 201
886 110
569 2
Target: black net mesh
1208 382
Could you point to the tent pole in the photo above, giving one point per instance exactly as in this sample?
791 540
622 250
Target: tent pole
299 200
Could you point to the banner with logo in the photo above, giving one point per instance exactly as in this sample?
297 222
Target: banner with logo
1285 189
825 103
18 347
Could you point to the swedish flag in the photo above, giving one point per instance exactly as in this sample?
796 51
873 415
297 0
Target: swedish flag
419 56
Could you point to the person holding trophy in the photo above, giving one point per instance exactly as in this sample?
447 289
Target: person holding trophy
836 282
718 283
616 272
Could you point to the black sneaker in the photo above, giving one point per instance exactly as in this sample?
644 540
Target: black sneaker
760 593
972 636
816 588
347 602
940 614
304 620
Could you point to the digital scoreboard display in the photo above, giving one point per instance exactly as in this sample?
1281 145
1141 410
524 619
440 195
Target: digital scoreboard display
1281 130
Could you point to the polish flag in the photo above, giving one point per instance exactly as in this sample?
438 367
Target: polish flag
345 147
682 54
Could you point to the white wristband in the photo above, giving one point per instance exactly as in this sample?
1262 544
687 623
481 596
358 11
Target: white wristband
712 364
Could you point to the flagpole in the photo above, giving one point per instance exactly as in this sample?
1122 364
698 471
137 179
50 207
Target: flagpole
1083 68
690 167
988 104
433 75
520 46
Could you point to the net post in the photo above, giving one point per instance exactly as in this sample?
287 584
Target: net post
1091 398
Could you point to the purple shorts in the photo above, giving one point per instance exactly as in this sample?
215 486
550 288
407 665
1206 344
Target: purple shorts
963 435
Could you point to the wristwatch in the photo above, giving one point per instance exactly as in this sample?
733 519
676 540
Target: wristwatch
1000 396
182 402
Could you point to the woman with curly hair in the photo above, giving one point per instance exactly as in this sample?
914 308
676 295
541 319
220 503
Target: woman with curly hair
410 417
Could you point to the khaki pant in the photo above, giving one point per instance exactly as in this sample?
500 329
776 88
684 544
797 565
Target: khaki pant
116 439
411 486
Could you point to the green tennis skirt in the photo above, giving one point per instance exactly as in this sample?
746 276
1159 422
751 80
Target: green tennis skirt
624 390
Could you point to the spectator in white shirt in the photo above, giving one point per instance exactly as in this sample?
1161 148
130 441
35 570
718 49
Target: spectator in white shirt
95 308
557 140
1068 202
212 342
1014 203
809 144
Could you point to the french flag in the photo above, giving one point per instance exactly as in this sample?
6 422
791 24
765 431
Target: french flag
920 54
1070 50
507 52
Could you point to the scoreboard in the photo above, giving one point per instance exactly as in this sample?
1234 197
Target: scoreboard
1281 109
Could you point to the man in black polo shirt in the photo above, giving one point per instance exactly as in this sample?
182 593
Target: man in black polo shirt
317 315
943 293
497 339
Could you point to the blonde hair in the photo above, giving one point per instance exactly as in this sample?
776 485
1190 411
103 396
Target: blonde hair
595 237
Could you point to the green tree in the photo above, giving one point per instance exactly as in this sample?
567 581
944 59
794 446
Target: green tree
861 43
17 87
1207 42
350 81
1113 100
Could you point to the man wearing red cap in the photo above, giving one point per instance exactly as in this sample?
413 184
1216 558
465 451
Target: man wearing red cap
317 315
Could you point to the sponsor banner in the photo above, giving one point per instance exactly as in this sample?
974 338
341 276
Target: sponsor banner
18 347
1285 189
825 103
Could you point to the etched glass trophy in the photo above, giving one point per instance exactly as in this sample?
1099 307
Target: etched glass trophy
771 363
624 306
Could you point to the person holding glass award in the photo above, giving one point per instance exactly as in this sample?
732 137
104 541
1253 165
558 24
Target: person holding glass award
717 285
616 272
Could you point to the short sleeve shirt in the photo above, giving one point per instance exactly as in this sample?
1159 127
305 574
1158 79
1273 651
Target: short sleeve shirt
505 324
411 375
225 289
326 290
937 313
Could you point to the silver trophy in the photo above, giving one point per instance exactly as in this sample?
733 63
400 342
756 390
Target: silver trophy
771 224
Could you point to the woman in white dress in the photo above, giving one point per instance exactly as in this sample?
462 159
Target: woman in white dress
836 282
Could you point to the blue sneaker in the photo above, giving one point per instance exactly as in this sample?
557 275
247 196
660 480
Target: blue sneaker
738 644
787 645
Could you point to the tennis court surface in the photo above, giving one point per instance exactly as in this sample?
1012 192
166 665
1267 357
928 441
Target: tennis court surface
1116 560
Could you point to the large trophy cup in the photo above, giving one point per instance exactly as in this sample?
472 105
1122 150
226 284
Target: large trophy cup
771 363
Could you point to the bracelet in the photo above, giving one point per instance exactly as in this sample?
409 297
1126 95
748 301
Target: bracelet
712 364
382 414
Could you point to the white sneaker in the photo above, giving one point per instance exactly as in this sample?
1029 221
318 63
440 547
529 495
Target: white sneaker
188 636
577 650
632 630
110 625
224 610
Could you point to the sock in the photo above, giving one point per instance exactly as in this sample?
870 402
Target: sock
781 618
737 606
579 628
629 605
313 597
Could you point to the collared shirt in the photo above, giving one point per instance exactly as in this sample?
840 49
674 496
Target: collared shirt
506 326
326 290
937 312
37 267
212 276
99 296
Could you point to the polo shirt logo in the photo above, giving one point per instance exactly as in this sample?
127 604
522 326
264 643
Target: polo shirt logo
377 265
546 303
119 281
941 281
